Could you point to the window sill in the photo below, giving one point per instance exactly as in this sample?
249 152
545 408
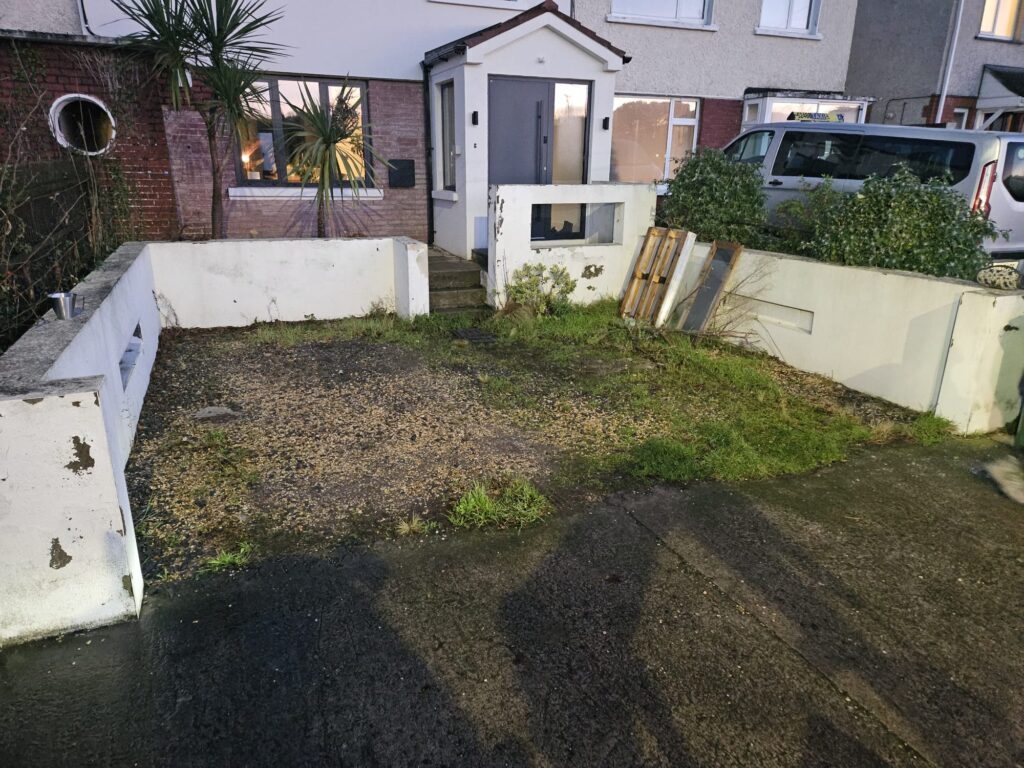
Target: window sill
307 193
445 194
996 39
787 33
647 21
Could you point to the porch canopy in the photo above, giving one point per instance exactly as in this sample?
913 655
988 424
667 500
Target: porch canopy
1002 88
525 101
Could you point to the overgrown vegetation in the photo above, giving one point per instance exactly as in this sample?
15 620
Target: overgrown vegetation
226 560
61 213
896 222
512 504
717 199
540 290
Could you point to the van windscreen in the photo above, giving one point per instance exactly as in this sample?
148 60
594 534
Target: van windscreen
1013 170
927 158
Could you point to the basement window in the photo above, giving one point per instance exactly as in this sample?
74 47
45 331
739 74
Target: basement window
82 124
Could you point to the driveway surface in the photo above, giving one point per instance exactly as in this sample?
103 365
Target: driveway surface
867 614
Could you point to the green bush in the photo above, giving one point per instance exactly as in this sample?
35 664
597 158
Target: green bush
717 199
543 290
896 222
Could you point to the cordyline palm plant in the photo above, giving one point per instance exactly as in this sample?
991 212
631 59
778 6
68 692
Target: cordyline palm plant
328 147
217 43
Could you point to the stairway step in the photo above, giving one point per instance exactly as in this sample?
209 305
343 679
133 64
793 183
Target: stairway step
457 298
480 257
462 278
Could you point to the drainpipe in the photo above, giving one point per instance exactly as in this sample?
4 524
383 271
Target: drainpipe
429 134
950 55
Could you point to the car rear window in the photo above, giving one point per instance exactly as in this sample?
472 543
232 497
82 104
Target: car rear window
815 154
927 158
1013 170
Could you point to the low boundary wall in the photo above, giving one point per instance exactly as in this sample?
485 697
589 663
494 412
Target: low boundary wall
71 393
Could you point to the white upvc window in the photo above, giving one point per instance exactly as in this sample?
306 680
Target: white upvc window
1001 19
651 135
792 17
682 13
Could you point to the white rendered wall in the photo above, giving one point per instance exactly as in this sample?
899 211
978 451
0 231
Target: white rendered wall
921 342
600 270
385 39
68 556
542 48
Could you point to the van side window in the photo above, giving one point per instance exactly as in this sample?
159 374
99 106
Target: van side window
1013 172
815 154
750 148
927 158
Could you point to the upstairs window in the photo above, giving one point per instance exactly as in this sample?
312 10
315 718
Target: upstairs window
684 11
270 137
795 16
1001 19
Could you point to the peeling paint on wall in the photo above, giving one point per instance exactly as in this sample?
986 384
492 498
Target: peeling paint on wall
83 460
58 557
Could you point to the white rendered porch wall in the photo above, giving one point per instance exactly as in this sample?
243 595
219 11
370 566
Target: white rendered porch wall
240 282
542 48
600 269
68 556
926 343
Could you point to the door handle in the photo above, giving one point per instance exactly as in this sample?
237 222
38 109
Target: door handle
775 183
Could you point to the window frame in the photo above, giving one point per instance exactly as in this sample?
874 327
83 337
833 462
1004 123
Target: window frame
810 32
277 127
673 121
1017 22
704 24
447 185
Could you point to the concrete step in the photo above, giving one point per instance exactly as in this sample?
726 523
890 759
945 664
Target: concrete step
461 278
458 298
480 257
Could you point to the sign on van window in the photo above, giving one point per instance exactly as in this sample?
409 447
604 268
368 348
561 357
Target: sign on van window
817 117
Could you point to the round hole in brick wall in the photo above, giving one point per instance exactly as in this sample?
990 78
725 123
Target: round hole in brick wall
82 124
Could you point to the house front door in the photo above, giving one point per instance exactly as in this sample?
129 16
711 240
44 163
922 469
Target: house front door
537 135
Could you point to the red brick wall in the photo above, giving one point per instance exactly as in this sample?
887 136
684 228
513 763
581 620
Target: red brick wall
720 121
395 110
33 75
952 102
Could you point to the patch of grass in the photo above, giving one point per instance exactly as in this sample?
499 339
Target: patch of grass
231 463
516 503
226 560
415 526
928 429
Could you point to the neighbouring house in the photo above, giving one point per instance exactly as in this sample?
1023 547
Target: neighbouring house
955 63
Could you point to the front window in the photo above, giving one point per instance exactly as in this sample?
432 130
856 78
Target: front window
690 11
790 15
838 111
1000 19
651 136
751 148
448 135
269 139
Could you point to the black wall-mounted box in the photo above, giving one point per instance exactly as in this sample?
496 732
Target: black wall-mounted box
402 174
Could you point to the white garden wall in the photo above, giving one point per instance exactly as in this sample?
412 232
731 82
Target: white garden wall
930 344
71 393
600 269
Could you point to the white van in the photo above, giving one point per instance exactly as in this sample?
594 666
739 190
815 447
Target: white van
987 168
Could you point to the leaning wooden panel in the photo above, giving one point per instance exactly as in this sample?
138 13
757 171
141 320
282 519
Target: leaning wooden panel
708 293
642 270
675 282
664 266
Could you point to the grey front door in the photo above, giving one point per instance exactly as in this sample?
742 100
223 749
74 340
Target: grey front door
519 131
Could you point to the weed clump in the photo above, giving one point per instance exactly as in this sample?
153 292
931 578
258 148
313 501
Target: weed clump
228 559
517 503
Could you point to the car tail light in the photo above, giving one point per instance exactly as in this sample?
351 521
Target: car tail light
983 197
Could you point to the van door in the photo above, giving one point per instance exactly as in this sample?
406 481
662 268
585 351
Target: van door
804 159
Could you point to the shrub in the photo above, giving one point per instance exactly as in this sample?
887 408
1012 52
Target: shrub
543 290
896 222
717 199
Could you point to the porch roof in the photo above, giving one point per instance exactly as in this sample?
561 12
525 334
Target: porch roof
1001 87
460 46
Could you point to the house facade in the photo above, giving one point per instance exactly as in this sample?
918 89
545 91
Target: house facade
957 63
459 95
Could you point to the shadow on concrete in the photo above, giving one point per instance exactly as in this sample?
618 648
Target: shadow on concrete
286 664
